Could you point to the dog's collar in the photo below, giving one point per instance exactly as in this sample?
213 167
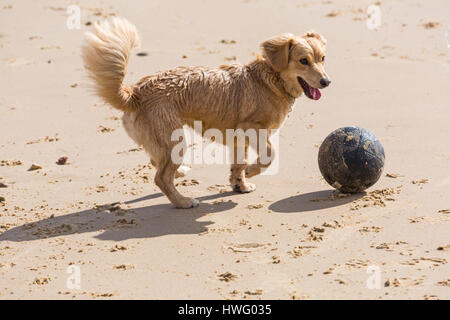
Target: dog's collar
290 96
280 85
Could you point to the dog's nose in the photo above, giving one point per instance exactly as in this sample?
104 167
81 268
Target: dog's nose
325 82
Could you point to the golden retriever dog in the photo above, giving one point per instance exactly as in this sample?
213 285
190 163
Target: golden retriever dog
257 95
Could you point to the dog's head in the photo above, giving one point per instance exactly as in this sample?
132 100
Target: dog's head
300 62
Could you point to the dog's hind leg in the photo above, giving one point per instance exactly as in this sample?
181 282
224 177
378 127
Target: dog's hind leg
166 154
180 173
164 180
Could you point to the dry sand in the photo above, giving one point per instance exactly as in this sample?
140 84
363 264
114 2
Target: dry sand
292 238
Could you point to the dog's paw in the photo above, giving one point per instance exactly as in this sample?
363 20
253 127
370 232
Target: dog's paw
195 203
187 203
244 187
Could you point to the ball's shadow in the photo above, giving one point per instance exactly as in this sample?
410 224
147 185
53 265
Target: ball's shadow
312 201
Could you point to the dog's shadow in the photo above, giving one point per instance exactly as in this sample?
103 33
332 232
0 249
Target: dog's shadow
312 201
120 224
158 220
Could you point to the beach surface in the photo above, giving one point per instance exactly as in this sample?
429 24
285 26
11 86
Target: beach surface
80 215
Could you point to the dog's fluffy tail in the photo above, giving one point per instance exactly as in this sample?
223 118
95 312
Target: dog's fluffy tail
106 54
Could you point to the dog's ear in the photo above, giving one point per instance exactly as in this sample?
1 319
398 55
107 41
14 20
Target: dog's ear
317 36
276 51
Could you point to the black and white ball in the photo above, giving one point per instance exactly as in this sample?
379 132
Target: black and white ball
351 159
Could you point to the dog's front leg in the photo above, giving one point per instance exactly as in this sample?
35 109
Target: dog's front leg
237 179
240 163
255 169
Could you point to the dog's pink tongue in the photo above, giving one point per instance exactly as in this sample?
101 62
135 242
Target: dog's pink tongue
315 93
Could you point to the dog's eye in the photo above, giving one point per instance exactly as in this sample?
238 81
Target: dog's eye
323 58
304 61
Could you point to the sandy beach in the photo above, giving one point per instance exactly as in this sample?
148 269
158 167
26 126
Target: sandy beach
80 215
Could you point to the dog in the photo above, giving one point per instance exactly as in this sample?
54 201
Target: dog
257 95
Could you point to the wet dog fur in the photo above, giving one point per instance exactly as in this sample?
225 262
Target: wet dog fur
257 95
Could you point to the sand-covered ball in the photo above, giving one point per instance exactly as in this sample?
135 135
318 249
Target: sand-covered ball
351 159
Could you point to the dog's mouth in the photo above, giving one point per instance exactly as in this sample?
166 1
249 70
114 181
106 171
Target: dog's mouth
309 91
